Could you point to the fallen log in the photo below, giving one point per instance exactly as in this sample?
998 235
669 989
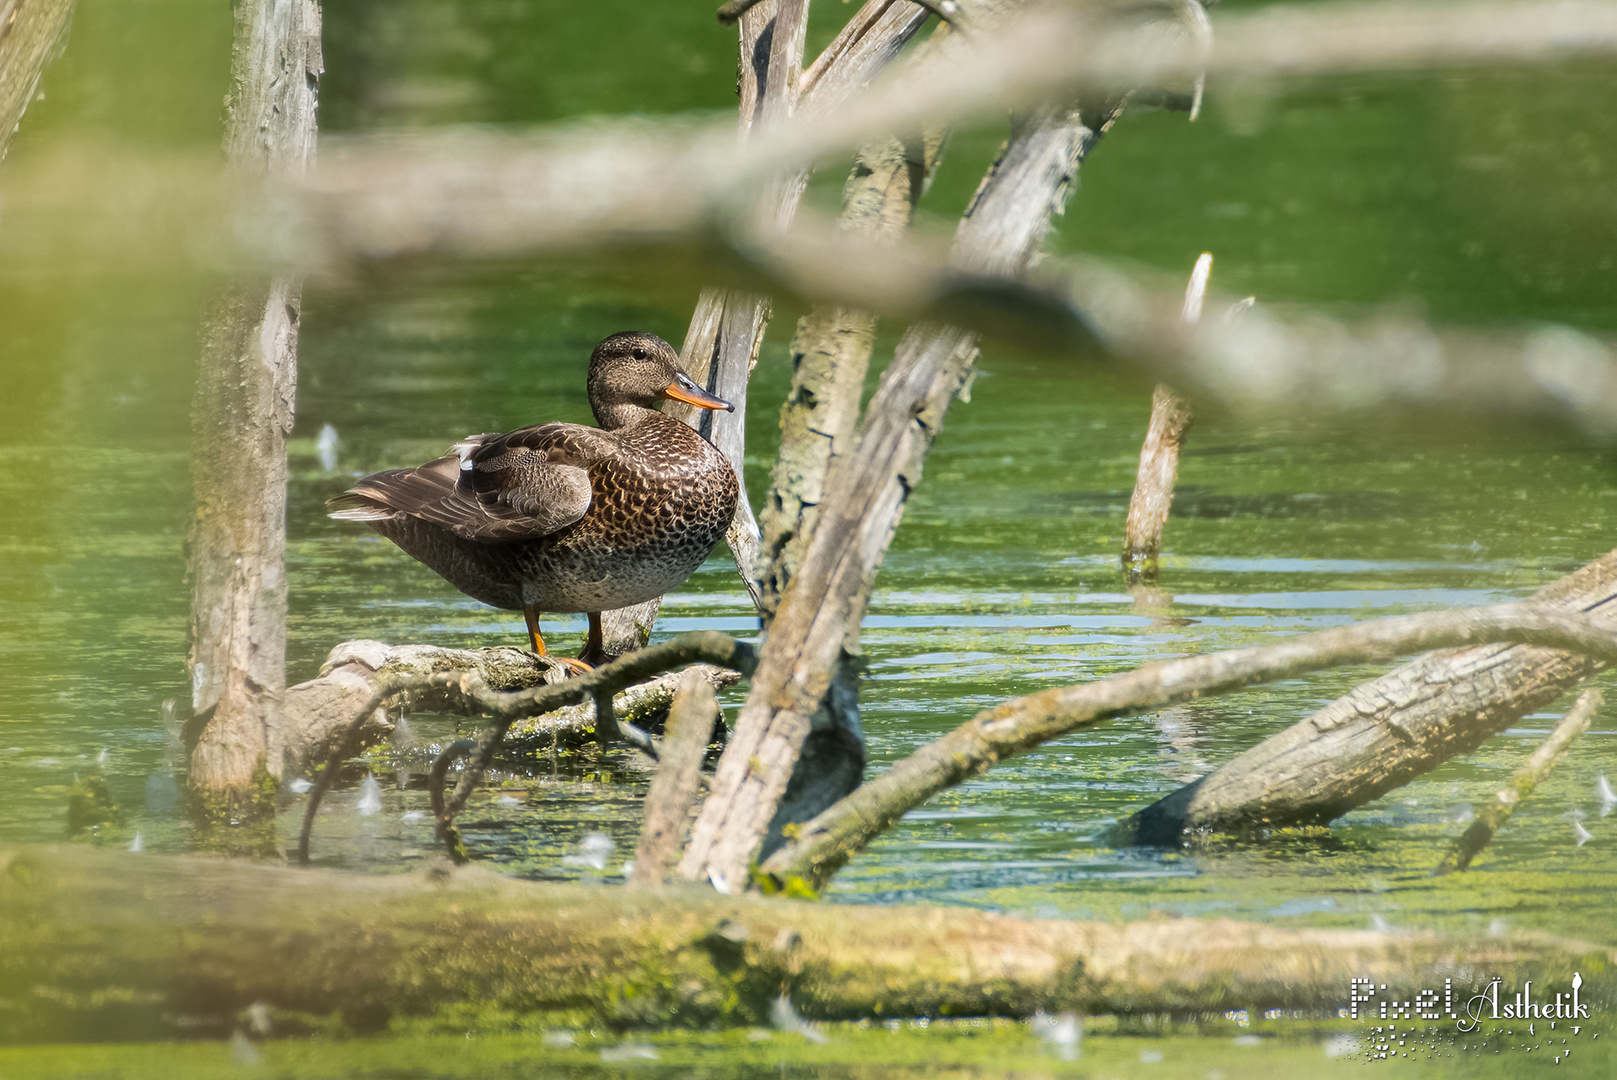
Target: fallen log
106 945
1385 732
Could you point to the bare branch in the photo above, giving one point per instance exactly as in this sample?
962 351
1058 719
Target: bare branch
819 616
1171 417
1017 726
1384 732
1492 815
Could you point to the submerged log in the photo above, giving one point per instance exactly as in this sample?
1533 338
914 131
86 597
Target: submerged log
1387 731
105 945
822 845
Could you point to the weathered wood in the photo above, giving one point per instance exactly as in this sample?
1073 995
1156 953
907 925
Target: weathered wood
1492 814
1018 725
1387 731
1152 499
508 707
679 772
819 616
317 713
32 34
246 382
104 945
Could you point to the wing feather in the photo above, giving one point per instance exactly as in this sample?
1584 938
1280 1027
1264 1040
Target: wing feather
522 485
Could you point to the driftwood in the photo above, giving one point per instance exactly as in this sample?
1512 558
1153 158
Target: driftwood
105 945
246 381
32 34
1387 731
819 616
1016 726
1152 499
668 803
1492 814
316 714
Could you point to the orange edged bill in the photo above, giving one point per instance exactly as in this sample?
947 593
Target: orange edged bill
683 389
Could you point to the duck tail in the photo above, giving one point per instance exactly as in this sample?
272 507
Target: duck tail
357 506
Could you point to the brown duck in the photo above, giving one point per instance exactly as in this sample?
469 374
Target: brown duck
564 517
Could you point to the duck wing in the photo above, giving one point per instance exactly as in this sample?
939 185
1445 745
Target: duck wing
521 485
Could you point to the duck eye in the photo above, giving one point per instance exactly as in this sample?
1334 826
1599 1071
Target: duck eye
640 354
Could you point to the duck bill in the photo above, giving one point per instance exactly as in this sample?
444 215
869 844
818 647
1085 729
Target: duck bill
682 389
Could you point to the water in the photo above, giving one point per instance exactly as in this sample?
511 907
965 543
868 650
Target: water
1003 578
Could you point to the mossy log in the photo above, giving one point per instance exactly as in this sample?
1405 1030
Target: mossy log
98 944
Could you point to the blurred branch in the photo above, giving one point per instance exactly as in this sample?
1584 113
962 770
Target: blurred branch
469 195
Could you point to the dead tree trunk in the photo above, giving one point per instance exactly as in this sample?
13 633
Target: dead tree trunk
170 947
1387 731
818 619
32 34
246 381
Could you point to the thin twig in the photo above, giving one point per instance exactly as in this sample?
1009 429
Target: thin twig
1492 815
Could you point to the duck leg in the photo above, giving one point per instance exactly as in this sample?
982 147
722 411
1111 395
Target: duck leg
531 615
594 646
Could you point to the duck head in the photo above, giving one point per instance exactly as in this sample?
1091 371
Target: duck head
632 373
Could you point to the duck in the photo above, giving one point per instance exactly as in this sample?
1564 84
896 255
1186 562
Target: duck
566 518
